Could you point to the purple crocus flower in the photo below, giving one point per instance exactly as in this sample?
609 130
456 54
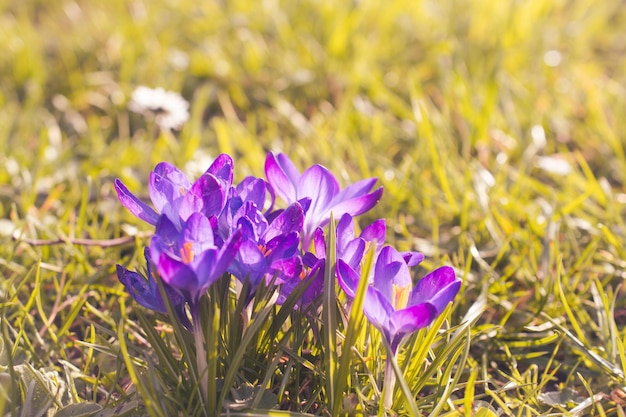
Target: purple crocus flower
351 249
269 251
395 307
313 277
187 258
318 184
146 291
175 196
392 304
246 200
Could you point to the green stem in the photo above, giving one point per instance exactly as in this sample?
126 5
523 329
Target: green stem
389 382
198 336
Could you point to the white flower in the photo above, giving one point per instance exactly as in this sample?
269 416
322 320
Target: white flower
169 109
554 165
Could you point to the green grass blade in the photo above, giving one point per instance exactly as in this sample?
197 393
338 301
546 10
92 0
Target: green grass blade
256 323
329 316
354 327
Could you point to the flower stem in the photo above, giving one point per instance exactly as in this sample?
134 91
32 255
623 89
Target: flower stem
201 363
390 382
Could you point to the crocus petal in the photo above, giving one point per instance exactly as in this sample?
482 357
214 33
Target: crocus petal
357 205
167 231
390 270
252 189
175 273
305 203
204 267
135 205
320 184
409 320
286 269
353 252
167 183
288 167
290 220
376 231
314 282
249 264
378 310
222 169
272 198
282 246
345 232
348 279
227 253
412 258
413 318
145 291
279 179
205 196
250 254
251 213
354 190
197 230
309 259
138 287
319 243
438 288
248 231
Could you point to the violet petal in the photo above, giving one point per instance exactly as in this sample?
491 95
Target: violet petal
135 205
279 179
167 183
357 205
390 270
290 220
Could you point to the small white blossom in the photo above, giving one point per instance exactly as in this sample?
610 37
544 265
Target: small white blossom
169 109
554 165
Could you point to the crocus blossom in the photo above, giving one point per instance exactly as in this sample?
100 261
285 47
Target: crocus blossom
188 259
269 251
318 184
351 250
312 277
392 304
175 196
146 291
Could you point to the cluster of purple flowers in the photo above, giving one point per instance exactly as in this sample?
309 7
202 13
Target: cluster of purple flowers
211 228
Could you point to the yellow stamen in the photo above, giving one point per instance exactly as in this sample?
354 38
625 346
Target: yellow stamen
400 296
186 252
182 190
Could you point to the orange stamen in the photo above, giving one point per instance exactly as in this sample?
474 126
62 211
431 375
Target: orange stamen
186 252
264 250
302 274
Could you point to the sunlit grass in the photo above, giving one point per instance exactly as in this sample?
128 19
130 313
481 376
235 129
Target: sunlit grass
463 110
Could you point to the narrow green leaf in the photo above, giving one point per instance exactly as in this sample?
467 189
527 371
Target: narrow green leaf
329 315
152 407
354 327
256 323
